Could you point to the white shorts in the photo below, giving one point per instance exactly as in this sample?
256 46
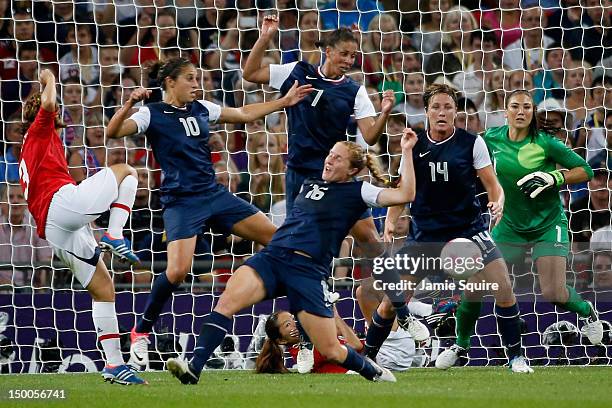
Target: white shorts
70 212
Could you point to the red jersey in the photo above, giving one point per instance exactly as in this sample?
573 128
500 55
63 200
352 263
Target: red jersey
321 365
42 167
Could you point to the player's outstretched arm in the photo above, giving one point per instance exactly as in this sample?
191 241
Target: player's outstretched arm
495 192
393 214
253 71
49 93
119 126
406 190
372 128
249 113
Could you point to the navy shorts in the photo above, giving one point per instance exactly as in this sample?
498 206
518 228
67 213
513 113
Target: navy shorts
186 216
430 244
296 276
293 184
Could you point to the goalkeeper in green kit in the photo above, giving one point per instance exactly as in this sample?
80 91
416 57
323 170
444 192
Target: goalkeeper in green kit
526 159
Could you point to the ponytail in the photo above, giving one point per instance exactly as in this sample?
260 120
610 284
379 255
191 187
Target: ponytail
169 69
359 159
270 359
373 165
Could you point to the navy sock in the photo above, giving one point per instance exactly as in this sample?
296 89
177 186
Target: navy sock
161 291
377 334
356 362
509 324
214 329
401 310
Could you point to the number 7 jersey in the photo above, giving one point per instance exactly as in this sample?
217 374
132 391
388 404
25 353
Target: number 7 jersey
42 167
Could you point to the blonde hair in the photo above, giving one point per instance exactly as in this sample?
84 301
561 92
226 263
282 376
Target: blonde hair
456 12
360 159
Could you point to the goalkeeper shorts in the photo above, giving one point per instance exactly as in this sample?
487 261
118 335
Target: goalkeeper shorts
553 241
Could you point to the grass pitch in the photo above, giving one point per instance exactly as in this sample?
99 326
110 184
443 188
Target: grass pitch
460 387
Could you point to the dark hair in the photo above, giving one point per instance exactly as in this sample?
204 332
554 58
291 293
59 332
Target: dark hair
553 47
463 104
484 36
435 89
603 80
534 125
270 359
342 34
172 68
30 110
26 46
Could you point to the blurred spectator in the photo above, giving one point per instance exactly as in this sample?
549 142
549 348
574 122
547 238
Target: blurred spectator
306 49
5 19
224 177
19 241
601 94
575 82
593 136
346 13
381 42
19 89
519 79
413 106
548 82
87 160
109 73
209 90
457 53
470 82
528 51
428 36
266 167
118 95
395 126
565 23
556 120
9 161
492 110
467 116
73 113
153 35
592 35
82 60
21 31
593 211
505 21
602 270
288 32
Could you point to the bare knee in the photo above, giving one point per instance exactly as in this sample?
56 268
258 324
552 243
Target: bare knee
385 309
554 294
122 170
334 353
102 290
176 273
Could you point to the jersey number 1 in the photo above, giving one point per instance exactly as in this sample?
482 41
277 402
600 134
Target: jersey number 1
191 126
24 177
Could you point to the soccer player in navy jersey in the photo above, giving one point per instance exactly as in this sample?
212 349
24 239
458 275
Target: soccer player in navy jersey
177 130
447 162
297 262
321 119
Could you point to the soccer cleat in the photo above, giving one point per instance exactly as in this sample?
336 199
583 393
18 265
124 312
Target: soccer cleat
139 350
305 359
121 374
382 373
593 327
449 357
414 327
119 247
519 365
182 370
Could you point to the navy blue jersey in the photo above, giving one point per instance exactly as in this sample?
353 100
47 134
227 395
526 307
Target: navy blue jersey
322 216
321 119
179 138
446 182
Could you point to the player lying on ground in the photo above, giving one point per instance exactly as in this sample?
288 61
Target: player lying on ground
526 160
62 211
297 263
320 120
177 130
447 163
397 353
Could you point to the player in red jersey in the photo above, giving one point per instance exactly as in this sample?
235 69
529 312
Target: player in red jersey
62 211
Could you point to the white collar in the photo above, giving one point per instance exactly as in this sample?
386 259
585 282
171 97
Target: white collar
323 77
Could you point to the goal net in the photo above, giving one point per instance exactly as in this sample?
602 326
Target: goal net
102 50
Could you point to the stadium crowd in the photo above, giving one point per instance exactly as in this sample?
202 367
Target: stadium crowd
101 50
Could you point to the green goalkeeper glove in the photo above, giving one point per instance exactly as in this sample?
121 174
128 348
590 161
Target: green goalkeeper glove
534 183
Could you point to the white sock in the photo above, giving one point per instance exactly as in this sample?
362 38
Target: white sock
120 209
107 329
419 308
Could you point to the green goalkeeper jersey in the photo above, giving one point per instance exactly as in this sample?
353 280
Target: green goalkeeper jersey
514 160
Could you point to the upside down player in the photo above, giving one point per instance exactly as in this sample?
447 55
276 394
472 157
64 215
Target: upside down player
318 122
396 353
177 129
298 260
526 162
447 162
62 211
